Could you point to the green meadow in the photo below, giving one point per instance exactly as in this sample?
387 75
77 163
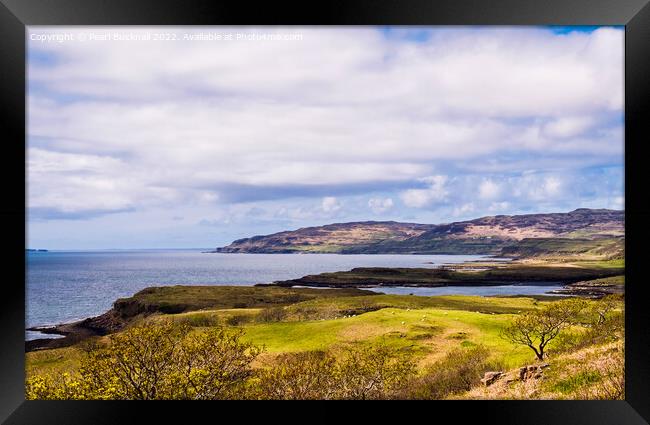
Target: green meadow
429 327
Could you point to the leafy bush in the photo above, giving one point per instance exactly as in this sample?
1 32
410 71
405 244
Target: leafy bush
369 372
600 322
272 314
156 361
199 320
238 319
375 372
60 387
459 371
212 365
300 376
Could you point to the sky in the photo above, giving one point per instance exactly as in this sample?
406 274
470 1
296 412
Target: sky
171 137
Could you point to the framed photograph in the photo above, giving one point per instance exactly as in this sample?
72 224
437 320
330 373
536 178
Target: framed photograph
353 201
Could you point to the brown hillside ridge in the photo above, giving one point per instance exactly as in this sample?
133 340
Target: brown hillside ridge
590 222
572 232
329 238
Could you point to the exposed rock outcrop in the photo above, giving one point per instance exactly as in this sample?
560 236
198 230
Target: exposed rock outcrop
522 374
491 377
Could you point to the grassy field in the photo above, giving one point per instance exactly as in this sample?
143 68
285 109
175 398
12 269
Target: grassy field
428 326
58 361
430 333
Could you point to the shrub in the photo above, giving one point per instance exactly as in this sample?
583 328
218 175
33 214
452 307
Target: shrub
605 322
61 387
237 319
460 370
135 364
199 320
212 365
272 314
601 323
300 376
156 361
374 372
369 372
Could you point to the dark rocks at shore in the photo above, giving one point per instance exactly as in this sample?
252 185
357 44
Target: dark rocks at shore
595 288
75 332
589 291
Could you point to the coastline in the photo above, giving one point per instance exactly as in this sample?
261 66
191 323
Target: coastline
114 321
562 280
75 332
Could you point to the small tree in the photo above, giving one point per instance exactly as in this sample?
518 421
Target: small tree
135 364
604 322
600 310
535 329
213 365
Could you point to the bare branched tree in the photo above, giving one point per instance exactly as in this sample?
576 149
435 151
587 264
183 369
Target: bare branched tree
535 329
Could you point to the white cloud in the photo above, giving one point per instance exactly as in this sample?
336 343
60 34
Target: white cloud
536 188
380 205
141 124
464 209
499 206
419 198
488 190
552 186
568 126
330 204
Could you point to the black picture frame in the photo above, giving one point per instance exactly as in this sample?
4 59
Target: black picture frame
15 15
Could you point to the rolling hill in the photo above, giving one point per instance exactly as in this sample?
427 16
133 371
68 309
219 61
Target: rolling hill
594 233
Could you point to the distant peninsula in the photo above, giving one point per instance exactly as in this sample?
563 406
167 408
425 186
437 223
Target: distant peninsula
585 233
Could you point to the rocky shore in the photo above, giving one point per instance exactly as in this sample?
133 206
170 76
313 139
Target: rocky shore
109 322
596 288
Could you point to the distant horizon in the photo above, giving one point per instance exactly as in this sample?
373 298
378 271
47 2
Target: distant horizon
133 142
